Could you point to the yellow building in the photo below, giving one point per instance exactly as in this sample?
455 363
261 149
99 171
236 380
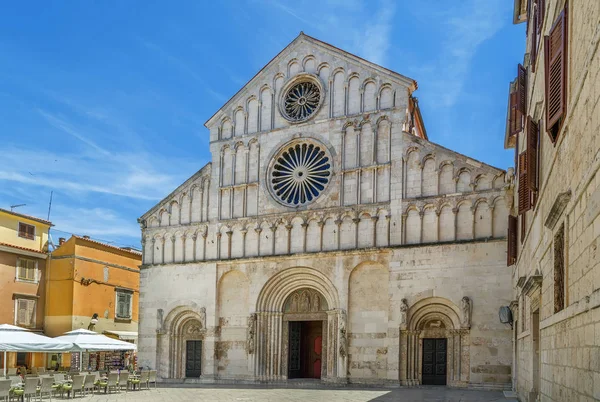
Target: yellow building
88 278
23 256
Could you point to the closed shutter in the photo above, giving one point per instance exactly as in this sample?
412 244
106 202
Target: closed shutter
514 120
26 269
534 42
532 156
521 91
512 240
25 312
123 305
555 47
524 191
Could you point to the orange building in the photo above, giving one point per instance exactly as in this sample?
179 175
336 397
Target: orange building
23 256
88 278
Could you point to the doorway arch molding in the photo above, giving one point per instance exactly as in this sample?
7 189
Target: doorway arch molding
434 317
277 289
271 343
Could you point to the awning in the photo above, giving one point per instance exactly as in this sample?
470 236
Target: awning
84 340
123 335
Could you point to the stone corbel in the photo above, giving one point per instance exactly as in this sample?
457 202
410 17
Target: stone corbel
560 203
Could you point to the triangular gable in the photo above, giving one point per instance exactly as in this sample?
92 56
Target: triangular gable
166 199
392 75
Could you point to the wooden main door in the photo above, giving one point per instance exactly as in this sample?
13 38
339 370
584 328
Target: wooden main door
434 361
193 359
305 349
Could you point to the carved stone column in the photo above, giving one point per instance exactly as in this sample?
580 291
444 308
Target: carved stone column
404 216
374 219
356 223
229 234
289 227
455 212
338 222
304 232
258 230
244 233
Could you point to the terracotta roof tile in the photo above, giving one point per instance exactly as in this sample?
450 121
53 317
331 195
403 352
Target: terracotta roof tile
33 218
108 245
21 248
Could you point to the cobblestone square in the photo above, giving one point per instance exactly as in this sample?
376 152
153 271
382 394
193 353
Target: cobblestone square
275 394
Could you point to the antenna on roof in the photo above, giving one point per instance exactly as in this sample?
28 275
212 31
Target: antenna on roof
50 205
12 207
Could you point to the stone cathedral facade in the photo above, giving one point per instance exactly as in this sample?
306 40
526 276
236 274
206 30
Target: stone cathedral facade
328 238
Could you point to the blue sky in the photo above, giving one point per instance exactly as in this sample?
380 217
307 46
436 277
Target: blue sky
103 102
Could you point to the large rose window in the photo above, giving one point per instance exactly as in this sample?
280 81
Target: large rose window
300 173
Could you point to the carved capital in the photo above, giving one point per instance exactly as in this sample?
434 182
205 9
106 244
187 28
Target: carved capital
338 222
356 220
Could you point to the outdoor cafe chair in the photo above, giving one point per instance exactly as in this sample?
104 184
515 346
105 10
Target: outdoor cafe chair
111 382
144 376
29 390
15 380
11 371
41 370
77 385
123 380
46 387
5 389
89 384
152 378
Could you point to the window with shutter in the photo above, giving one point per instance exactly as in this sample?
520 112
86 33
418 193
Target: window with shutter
555 49
26 312
521 91
532 158
512 241
123 310
524 190
26 231
534 41
26 270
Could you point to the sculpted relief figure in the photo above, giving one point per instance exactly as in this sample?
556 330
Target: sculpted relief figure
343 339
251 333
203 317
403 311
466 312
159 319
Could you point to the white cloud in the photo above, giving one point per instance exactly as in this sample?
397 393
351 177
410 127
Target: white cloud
358 26
464 28
133 175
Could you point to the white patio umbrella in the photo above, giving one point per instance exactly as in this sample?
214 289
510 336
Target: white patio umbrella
17 339
84 340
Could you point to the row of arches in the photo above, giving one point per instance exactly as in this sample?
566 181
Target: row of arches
425 176
191 205
467 220
347 94
279 237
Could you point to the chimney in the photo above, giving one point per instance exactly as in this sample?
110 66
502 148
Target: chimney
86 237
61 241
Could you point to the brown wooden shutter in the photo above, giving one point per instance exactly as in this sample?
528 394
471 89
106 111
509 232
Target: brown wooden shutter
534 42
524 191
555 46
512 241
532 154
540 10
30 232
521 91
513 117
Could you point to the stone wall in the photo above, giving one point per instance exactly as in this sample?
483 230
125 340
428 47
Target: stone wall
568 367
230 292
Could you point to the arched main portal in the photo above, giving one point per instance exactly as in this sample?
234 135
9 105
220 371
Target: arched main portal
181 338
433 332
294 299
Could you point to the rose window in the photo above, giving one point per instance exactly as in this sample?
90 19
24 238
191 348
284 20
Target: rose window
301 100
300 173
